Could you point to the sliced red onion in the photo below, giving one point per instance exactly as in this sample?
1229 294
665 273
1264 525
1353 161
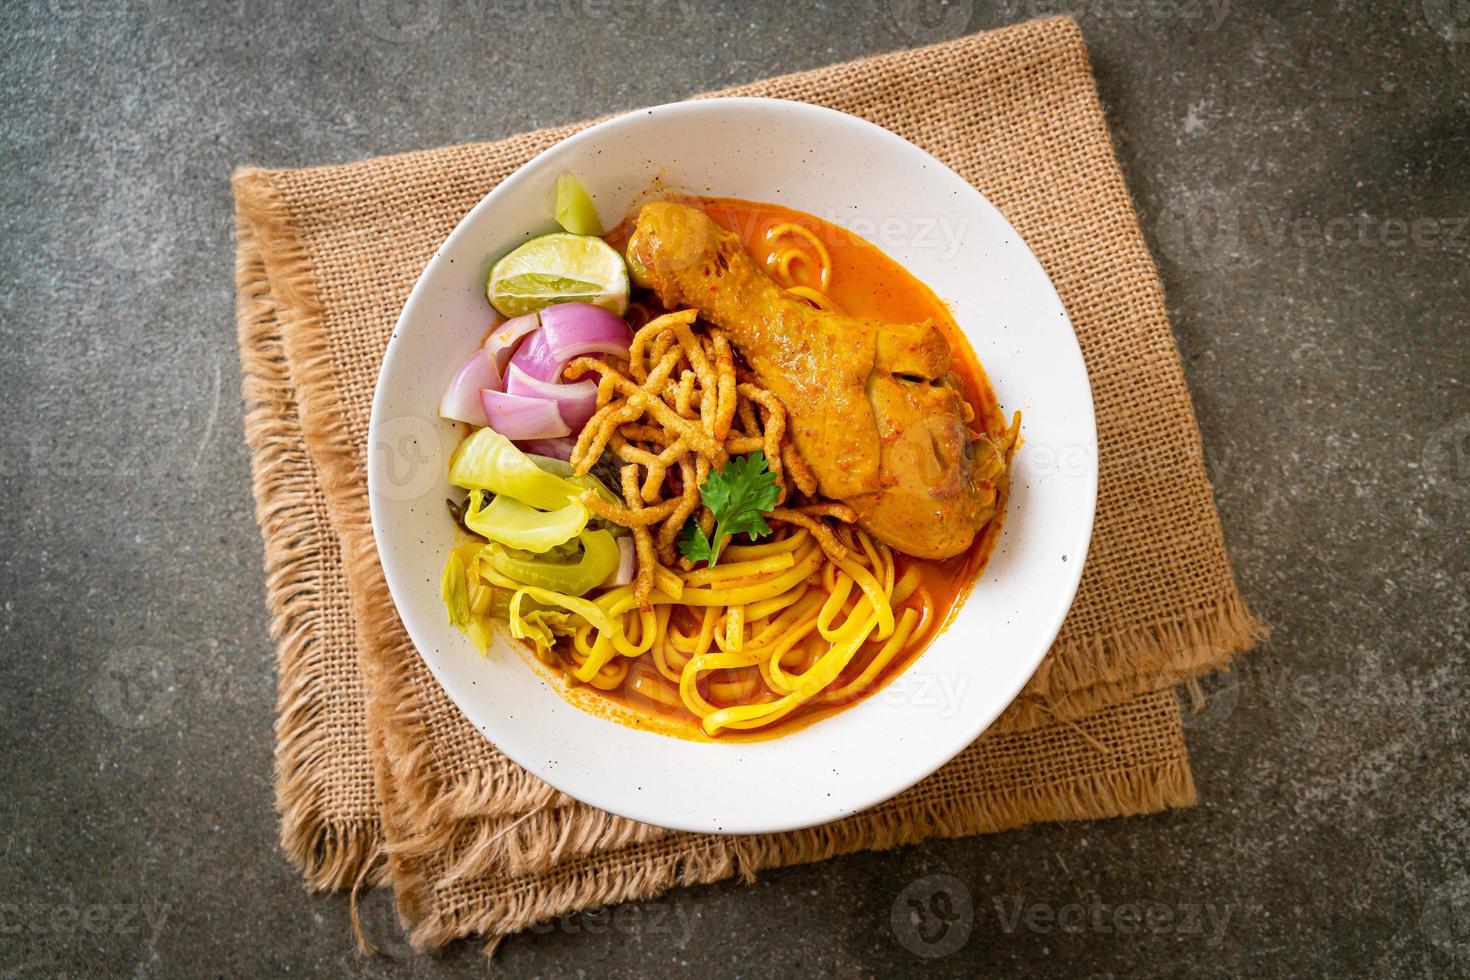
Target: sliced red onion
461 400
520 417
534 359
576 402
555 448
501 343
573 329
627 564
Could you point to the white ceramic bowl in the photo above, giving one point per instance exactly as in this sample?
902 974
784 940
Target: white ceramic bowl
863 177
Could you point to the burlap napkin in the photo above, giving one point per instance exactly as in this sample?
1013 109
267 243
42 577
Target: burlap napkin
374 761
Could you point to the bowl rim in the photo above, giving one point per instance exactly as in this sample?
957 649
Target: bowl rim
881 789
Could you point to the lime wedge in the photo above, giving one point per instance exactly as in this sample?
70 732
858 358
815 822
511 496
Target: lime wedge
559 268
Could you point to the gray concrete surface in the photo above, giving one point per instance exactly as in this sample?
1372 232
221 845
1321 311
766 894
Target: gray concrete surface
1329 376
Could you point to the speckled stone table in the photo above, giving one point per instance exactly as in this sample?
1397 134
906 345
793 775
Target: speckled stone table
1304 178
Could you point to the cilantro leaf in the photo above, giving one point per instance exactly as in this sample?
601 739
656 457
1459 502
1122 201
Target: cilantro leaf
692 542
738 497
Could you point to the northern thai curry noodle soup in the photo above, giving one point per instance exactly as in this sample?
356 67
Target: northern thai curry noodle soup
781 466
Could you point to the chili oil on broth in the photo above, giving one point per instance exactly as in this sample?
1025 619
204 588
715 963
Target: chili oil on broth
864 282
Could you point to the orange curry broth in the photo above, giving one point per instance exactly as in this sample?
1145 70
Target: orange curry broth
864 283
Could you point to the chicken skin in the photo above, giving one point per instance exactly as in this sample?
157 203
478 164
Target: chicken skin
874 407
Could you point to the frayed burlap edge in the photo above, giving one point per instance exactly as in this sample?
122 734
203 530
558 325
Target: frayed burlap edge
287 269
331 853
279 300
645 869
471 845
1205 641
